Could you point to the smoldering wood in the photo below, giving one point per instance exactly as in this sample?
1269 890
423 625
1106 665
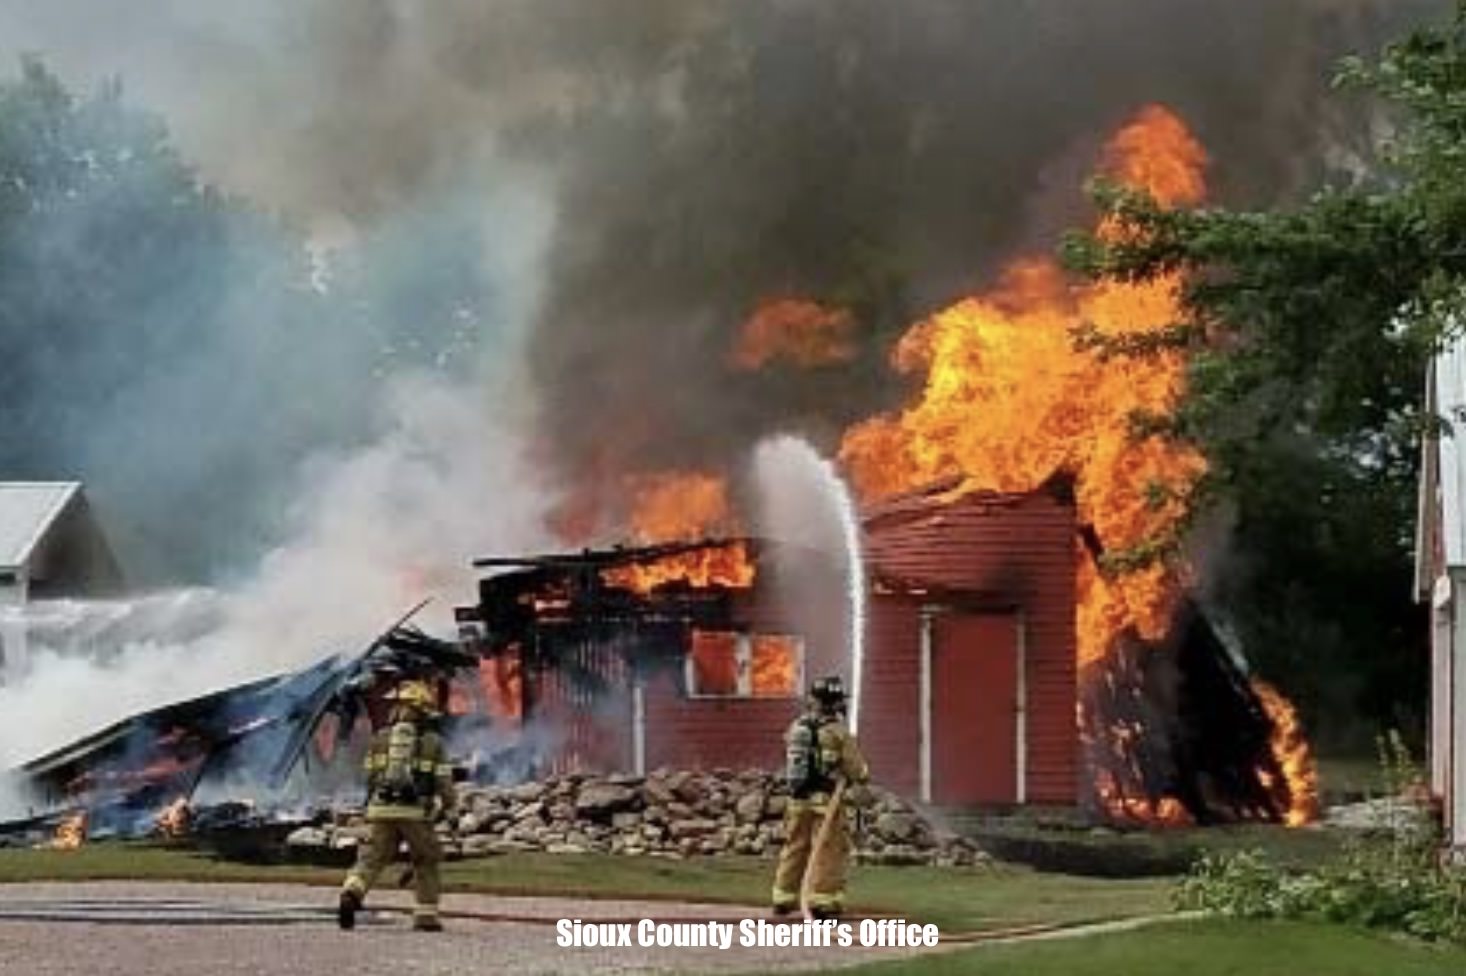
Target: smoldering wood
257 732
1184 722
556 612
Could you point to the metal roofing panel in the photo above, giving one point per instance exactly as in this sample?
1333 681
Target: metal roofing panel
27 510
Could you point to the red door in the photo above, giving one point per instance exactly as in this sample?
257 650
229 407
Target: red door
974 714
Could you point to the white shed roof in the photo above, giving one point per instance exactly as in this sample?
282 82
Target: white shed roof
28 509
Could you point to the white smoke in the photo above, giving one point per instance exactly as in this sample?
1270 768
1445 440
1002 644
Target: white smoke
447 478
381 529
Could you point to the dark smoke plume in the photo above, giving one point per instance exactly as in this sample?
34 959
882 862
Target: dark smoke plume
702 155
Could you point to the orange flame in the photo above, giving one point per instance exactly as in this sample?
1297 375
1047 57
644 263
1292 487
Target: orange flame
673 506
1157 153
774 666
1298 793
727 565
1010 399
175 819
1167 810
771 668
714 656
800 331
71 832
502 682
681 506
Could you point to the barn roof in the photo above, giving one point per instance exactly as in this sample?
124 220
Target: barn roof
28 511
950 491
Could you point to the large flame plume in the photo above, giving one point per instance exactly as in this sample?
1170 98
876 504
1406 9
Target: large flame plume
1010 398
801 332
674 506
684 507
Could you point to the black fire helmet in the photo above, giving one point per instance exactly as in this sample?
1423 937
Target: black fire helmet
829 692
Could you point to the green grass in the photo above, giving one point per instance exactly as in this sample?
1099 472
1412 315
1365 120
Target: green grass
119 861
1203 948
956 899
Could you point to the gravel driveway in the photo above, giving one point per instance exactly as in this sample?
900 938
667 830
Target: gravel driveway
170 929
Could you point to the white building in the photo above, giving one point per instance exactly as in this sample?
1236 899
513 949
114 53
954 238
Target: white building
50 546
1440 578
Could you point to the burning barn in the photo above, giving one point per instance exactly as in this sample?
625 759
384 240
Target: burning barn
970 696
696 655
972 691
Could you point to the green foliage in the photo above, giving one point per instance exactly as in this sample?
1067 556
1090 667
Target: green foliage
1391 878
1308 328
176 348
1367 890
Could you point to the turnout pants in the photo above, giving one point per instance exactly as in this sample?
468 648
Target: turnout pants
380 850
805 856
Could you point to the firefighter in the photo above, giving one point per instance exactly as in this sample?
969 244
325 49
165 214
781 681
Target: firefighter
823 767
409 785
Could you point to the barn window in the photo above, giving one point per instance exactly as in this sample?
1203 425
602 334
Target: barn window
713 665
727 664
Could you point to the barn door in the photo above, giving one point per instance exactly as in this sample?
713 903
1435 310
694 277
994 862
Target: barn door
974 709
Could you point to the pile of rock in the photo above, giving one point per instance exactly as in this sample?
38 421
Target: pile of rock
666 814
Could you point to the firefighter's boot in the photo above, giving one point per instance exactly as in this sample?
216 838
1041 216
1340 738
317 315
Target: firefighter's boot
426 921
346 909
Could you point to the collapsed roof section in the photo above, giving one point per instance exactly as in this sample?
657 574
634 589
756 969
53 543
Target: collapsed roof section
256 734
543 604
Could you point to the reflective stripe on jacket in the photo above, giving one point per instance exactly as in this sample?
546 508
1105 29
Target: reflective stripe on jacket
430 766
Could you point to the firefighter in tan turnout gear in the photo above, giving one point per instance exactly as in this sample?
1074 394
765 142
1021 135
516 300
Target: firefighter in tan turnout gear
823 764
409 785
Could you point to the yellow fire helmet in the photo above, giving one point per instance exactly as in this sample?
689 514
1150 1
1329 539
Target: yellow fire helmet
416 695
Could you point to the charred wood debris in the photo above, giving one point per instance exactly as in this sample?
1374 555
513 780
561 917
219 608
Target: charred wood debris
282 750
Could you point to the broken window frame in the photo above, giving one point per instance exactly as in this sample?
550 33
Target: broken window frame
743 669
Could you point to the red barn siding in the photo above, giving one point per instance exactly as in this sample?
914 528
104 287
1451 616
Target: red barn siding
706 733
890 726
1002 551
974 709
594 725
1009 553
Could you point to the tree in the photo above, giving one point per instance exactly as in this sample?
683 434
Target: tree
1308 329
171 345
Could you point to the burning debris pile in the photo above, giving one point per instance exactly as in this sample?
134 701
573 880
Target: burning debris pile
672 814
259 750
1191 739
